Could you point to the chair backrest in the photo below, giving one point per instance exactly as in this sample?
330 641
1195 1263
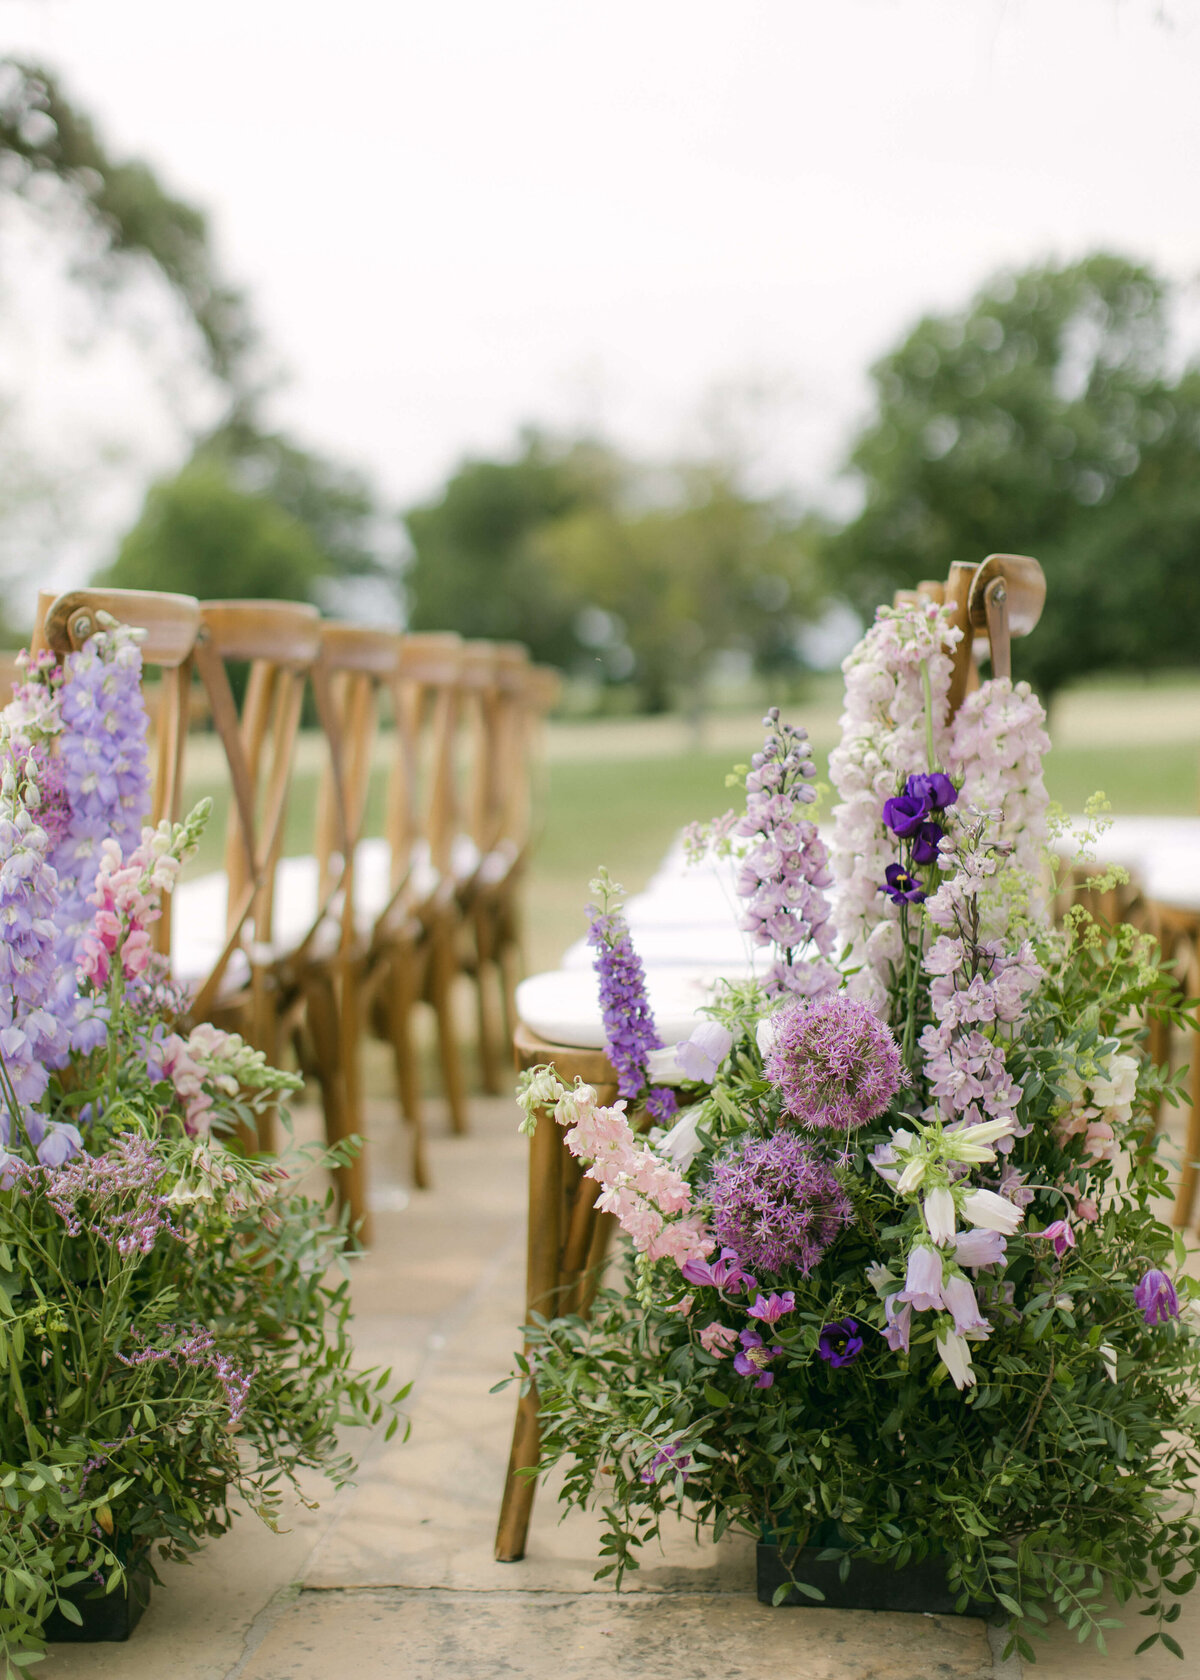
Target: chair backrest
10 675
991 603
170 625
422 800
358 667
280 641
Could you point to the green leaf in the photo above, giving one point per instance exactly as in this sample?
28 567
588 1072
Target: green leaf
715 1397
1172 1645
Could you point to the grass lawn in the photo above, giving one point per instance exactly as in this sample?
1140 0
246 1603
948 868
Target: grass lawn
615 794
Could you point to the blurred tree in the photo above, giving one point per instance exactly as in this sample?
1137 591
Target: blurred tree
252 514
476 567
114 211
1042 419
712 571
201 534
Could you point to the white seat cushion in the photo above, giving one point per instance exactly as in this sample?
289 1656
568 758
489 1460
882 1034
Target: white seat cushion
563 1007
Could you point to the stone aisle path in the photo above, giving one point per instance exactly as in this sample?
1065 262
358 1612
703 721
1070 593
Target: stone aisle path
395 1580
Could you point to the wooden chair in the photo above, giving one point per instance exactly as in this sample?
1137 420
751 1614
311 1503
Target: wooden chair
566 1241
412 951
565 1249
171 624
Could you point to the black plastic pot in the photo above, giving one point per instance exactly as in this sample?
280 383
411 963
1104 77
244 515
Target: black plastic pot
107 1617
919 1587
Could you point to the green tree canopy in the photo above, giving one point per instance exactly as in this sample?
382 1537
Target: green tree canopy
1042 419
115 211
200 534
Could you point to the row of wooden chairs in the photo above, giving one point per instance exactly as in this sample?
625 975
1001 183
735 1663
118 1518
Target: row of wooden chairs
354 935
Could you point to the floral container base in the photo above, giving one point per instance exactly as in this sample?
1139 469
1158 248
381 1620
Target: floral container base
918 1587
107 1617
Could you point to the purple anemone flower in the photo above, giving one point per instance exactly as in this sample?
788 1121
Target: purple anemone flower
755 1357
901 886
1156 1296
840 1342
771 1308
935 791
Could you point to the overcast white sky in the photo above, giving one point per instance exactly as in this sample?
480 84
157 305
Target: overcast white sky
459 215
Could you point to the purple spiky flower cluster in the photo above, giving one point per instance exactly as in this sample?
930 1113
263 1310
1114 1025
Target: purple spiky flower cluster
197 1347
629 1029
835 1063
117 1197
777 1203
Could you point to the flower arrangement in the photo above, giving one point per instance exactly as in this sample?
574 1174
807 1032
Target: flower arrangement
896 1288
170 1333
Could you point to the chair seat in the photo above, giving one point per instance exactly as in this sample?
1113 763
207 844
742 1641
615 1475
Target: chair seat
563 1007
718 945
1162 854
198 922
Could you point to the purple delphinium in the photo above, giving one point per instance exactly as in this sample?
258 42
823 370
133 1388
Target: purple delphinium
1156 1297
777 1203
754 1358
785 868
835 1063
629 1028
840 1342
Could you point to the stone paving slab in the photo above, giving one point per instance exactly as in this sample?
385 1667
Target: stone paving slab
435 1635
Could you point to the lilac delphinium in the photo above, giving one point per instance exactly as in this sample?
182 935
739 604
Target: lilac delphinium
835 1063
777 1203
629 1028
840 1342
785 868
32 1038
1155 1295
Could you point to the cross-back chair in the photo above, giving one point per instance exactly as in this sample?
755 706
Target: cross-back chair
170 625
411 956
567 1236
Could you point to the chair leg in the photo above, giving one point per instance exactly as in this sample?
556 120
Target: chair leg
403 984
442 972
516 1505
350 1181
490 1027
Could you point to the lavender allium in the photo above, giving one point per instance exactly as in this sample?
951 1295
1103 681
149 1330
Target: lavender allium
835 1063
785 868
629 1028
777 1203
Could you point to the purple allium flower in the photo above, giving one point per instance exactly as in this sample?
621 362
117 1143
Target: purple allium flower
901 886
669 1457
771 1308
628 1024
1156 1296
840 1342
904 815
754 1359
723 1273
926 842
835 1062
777 1203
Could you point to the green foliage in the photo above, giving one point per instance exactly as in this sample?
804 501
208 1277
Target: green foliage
201 534
122 215
1055 1483
1042 419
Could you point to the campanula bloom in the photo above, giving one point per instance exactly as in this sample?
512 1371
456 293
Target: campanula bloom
1156 1296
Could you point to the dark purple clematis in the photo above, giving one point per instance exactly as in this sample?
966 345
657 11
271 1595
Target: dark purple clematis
925 843
771 1308
840 1342
755 1357
723 1273
904 814
1156 1296
901 886
935 791
671 1458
